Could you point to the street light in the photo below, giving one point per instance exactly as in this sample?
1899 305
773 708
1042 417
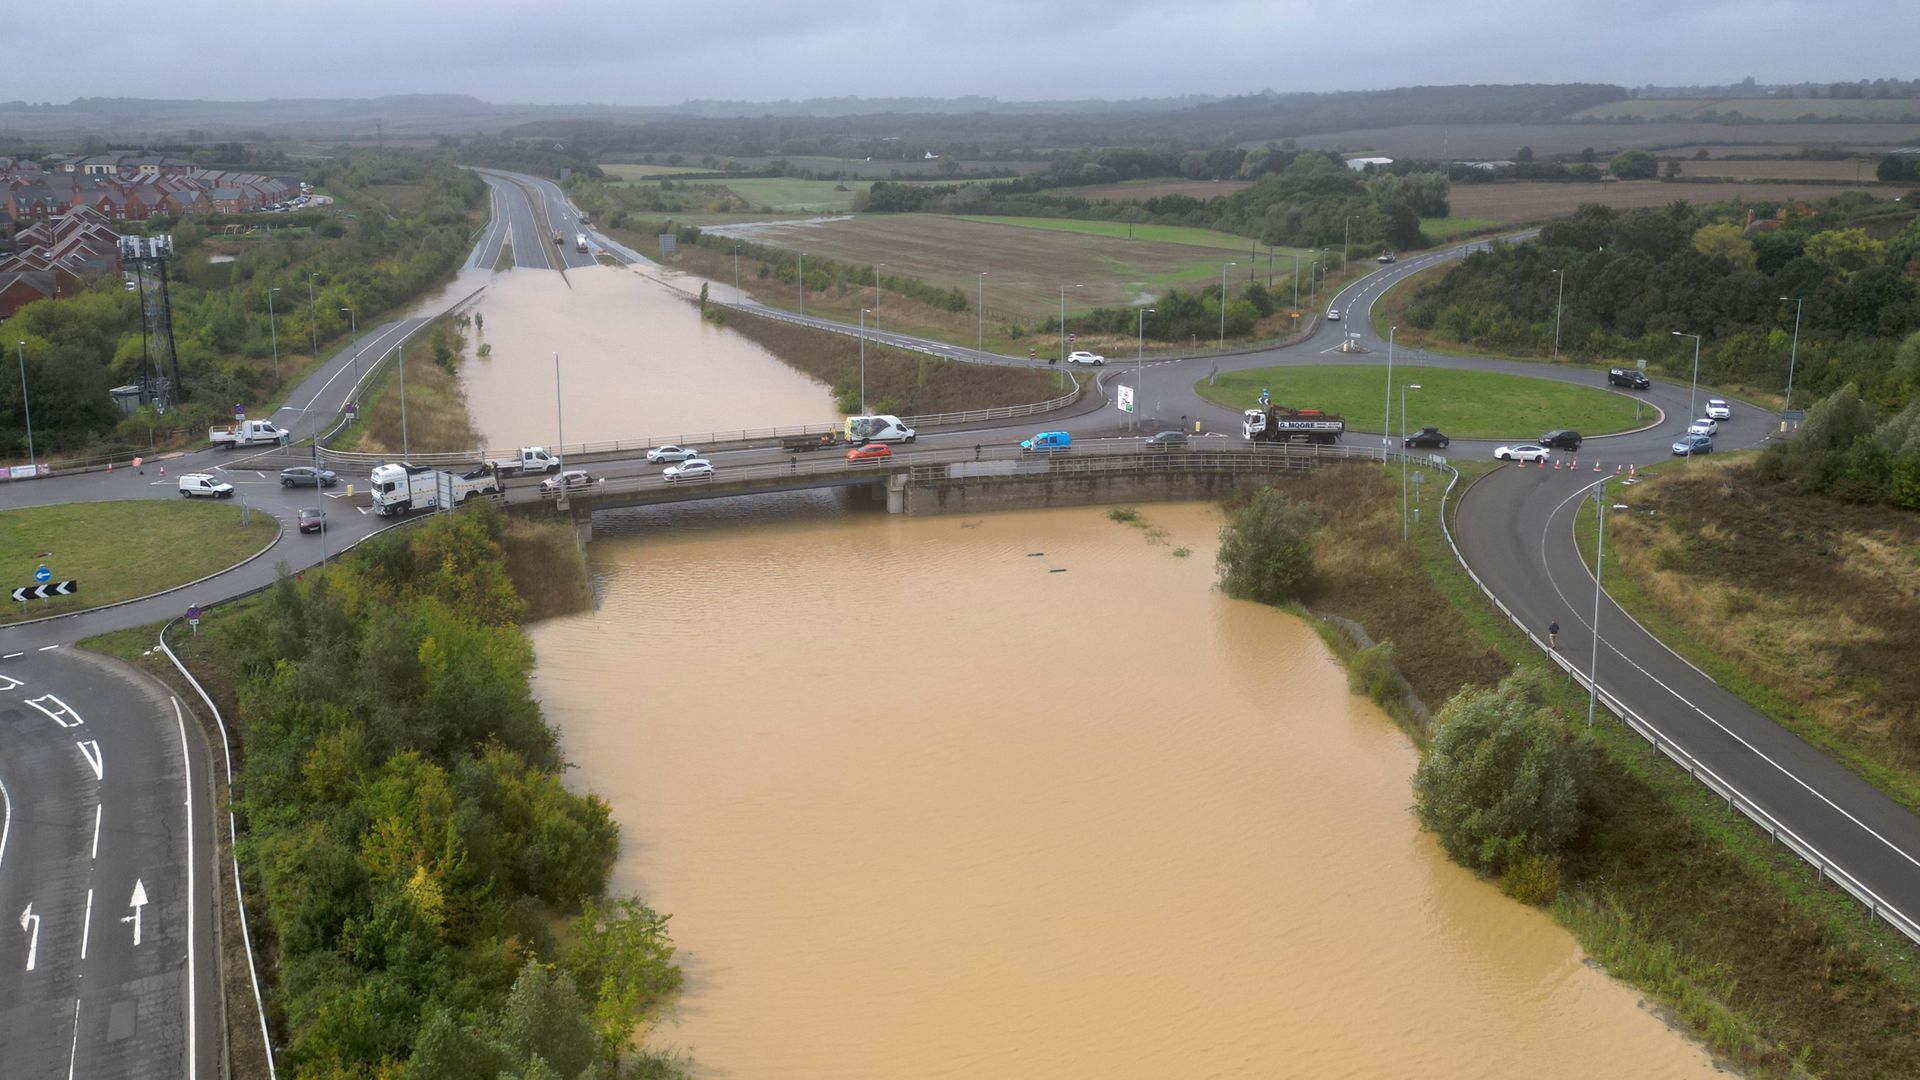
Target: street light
1403 455
1599 553
1386 420
313 324
1346 234
1063 334
1558 305
271 329
355 317
1691 414
559 417
405 447
803 283
1223 304
1296 279
980 313
1140 371
876 294
736 273
27 408
863 361
1798 302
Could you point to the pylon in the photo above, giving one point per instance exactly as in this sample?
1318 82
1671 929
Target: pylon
1630 471
1596 466
1556 464
163 470
109 466
1616 470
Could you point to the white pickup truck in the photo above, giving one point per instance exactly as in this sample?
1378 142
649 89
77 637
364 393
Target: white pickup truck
249 433
531 459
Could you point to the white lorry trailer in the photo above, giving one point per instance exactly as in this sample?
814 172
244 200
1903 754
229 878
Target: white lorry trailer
400 487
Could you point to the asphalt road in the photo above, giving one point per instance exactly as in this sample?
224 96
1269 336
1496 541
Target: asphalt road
108 963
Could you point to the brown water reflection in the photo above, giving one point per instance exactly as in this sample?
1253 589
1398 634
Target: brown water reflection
922 806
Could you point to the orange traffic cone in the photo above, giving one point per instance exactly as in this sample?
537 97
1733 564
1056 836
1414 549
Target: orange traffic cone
1596 466
1630 471
163 470
1616 470
1556 464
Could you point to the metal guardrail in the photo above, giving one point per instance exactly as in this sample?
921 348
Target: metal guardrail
737 439
1695 768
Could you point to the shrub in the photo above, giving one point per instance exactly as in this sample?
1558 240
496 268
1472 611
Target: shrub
1266 550
1371 672
1501 782
1532 879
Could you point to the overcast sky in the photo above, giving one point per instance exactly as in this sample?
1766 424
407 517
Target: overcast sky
646 52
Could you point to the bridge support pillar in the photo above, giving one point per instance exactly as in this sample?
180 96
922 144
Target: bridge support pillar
897 493
583 527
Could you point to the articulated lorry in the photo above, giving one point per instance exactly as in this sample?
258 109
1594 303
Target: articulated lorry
400 487
1283 425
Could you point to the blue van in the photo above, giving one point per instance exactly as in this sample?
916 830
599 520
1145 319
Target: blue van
1047 442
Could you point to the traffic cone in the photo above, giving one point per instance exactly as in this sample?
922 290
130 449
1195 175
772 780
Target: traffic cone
1556 464
1616 470
109 466
1630 471
163 470
1596 466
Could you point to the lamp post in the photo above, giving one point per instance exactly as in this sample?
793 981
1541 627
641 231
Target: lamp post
312 323
1794 354
1599 554
1346 234
1140 369
1063 335
1558 306
406 450
1296 279
1386 420
1691 414
559 416
354 316
876 294
803 283
736 273
863 361
28 409
275 332
1223 304
1403 455
980 313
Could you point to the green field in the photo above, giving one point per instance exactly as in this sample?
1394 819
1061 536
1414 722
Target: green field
1442 229
1771 108
178 541
629 171
1464 404
1154 234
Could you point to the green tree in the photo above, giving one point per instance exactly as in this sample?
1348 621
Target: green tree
623 955
1266 550
1726 242
1502 781
544 1018
1844 252
1635 165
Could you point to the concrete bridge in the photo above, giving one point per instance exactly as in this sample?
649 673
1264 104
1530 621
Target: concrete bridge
973 480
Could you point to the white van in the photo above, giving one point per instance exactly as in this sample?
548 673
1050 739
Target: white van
864 429
196 483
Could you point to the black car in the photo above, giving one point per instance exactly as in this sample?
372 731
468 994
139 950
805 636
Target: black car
307 476
1628 377
1168 440
311 519
1431 437
1561 439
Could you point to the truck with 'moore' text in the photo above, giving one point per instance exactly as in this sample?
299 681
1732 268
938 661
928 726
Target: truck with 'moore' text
1280 424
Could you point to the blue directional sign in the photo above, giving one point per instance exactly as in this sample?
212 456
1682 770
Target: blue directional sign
43 575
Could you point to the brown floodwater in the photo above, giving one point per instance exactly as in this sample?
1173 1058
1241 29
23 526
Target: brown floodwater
1024 796
636 360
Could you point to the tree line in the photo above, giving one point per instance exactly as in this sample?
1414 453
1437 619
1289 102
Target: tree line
434 896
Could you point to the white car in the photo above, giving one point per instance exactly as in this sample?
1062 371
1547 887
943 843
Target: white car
1333 314
1522 452
670 453
1717 409
1706 425
571 480
690 469
1082 356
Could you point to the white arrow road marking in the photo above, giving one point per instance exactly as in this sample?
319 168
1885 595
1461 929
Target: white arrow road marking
33 934
8 682
93 757
139 901
61 713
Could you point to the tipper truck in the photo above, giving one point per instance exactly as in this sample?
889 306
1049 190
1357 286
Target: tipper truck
1280 424
400 487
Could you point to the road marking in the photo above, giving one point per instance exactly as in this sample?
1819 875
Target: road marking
11 655
193 1024
74 1055
86 929
33 935
95 853
6 819
93 757
8 682
139 903
46 648
62 714
1677 696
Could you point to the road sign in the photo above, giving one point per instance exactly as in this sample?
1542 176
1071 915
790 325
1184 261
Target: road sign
1123 397
238 412
1073 337
43 575
46 590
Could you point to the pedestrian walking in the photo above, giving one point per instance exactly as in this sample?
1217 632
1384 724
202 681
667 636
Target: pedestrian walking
1553 635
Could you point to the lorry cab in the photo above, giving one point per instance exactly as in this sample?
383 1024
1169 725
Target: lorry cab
882 428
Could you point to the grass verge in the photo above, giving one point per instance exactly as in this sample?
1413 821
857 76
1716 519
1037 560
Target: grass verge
122 550
1464 404
435 416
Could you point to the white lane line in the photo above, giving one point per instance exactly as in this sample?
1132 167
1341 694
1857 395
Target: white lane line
1677 696
47 648
86 930
6 818
73 1054
95 852
11 655
193 1004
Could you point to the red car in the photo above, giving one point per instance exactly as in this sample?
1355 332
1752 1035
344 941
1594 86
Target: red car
872 451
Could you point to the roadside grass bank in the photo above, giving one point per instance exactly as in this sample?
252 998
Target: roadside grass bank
1804 607
436 418
898 382
123 549
1736 940
547 566
505 261
1006 331
424 892
1463 404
